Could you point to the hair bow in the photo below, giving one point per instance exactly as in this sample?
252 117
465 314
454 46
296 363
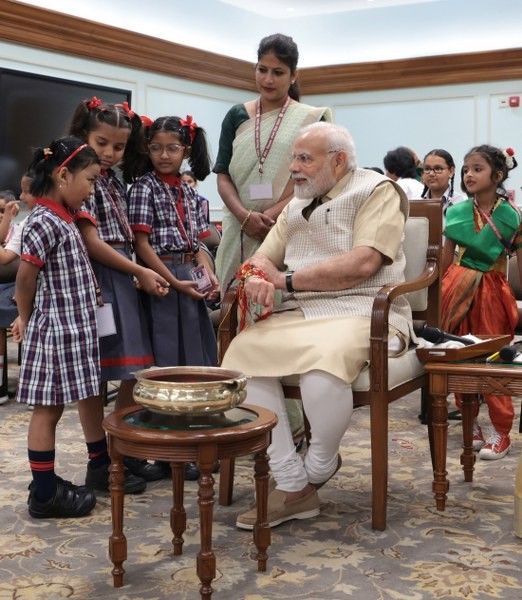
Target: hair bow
147 122
509 153
192 125
127 109
95 102
47 152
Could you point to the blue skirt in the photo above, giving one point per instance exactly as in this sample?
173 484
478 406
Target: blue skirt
8 308
129 349
180 327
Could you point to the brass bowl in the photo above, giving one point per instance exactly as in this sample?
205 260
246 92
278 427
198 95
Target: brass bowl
189 390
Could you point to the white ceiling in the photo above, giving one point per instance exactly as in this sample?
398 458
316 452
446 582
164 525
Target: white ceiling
327 32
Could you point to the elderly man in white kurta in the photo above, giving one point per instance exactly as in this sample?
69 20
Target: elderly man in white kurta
334 246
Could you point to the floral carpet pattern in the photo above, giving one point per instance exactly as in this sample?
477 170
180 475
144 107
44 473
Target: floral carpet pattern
468 551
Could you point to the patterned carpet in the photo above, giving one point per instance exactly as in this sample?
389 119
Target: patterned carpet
468 551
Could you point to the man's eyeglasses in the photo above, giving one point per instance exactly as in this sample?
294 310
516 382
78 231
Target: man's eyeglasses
437 170
170 149
305 159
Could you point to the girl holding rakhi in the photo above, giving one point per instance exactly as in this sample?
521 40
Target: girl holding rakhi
168 221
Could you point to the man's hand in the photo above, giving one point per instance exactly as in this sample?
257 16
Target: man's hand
261 292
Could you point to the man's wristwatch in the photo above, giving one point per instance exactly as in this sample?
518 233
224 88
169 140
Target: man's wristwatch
288 281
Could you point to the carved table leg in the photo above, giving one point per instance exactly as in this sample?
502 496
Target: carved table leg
467 458
178 516
117 541
206 560
261 528
440 443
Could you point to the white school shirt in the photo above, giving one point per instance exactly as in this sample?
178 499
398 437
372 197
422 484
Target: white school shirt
14 243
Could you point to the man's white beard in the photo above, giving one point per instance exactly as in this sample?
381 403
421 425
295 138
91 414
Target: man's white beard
322 184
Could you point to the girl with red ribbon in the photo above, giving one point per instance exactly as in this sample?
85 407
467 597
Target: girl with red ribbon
168 221
116 134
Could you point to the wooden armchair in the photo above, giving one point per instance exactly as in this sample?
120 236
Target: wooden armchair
387 378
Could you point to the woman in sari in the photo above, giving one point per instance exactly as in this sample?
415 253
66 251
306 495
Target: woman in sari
476 297
253 160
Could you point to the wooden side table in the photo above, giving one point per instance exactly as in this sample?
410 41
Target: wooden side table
140 433
467 378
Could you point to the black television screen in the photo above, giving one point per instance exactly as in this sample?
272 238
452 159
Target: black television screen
35 109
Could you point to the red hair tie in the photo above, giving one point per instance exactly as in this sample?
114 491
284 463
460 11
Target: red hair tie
94 103
127 109
192 125
147 122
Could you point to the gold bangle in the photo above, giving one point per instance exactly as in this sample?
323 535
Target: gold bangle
246 218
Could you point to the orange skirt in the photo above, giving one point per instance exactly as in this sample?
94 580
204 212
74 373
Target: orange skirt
481 306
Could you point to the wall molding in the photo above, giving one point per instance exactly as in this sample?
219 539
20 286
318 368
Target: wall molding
53 31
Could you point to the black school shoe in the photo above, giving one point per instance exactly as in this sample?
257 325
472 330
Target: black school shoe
191 472
144 469
98 479
69 501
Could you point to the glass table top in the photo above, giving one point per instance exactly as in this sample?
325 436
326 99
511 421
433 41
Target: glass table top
148 419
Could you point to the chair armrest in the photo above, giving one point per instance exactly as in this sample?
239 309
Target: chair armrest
228 322
379 327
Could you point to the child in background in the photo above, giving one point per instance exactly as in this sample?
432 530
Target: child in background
168 220
57 299
189 178
400 167
476 297
8 255
115 133
439 179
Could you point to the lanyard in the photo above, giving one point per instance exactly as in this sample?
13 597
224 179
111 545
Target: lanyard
487 219
119 212
181 226
257 131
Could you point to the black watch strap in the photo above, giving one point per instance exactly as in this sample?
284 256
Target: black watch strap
288 281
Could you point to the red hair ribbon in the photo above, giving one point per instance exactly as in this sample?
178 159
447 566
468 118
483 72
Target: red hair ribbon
147 122
192 125
127 109
95 102
246 271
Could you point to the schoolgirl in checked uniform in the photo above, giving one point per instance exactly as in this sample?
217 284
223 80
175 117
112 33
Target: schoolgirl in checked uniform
168 221
56 293
114 131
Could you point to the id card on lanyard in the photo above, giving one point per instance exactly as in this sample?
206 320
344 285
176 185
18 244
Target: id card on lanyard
263 191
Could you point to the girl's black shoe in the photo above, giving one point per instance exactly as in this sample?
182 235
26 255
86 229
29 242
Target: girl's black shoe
68 502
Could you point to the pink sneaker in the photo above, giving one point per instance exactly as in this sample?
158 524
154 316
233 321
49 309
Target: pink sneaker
478 438
497 446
